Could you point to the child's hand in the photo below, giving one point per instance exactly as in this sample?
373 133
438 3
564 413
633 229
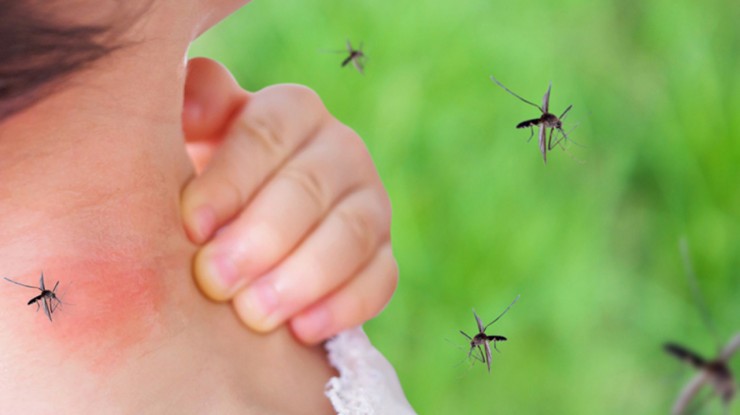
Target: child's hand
302 218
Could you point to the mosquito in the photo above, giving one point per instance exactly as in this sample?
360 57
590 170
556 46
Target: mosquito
356 56
482 341
545 121
47 297
715 372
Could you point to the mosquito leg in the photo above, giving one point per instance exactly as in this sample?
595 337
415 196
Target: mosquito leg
531 133
512 93
504 312
562 116
558 139
476 356
472 354
483 355
23 285
696 293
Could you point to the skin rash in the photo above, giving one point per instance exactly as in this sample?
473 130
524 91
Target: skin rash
115 281
100 319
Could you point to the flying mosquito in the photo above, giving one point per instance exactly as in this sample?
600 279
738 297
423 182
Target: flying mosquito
715 372
545 121
47 297
482 341
356 56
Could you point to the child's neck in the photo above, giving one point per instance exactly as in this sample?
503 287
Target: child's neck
89 195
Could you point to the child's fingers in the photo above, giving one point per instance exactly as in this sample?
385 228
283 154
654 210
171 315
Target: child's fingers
295 195
274 124
343 243
363 297
284 210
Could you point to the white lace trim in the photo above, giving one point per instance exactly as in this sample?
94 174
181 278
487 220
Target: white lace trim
367 383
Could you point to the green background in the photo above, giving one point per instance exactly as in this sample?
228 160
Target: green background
589 240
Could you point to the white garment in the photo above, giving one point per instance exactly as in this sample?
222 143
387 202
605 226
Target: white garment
367 383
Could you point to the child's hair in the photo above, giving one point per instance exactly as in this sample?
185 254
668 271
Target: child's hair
37 51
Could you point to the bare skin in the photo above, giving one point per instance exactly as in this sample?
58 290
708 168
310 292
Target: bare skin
90 185
313 235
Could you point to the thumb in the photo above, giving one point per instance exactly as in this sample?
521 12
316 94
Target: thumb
212 99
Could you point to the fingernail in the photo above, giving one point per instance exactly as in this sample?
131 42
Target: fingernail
219 271
205 221
314 325
258 305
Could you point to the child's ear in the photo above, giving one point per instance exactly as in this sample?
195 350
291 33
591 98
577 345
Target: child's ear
212 99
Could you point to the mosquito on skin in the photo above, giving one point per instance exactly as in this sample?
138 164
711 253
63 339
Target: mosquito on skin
545 121
715 372
482 341
47 297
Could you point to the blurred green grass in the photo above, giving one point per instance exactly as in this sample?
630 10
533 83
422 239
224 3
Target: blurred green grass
591 245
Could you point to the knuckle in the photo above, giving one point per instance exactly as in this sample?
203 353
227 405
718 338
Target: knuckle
393 273
355 151
266 128
313 266
386 207
309 181
354 147
267 244
387 281
363 308
292 97
361 225
302 94
388 270
231 191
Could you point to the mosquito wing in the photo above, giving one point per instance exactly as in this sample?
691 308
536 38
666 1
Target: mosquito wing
546 99
47 307
542 140
358 65
349 47
481 329
502 314
487 346
478 355
41 282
